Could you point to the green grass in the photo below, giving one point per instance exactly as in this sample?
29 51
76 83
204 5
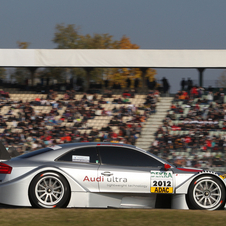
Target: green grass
108 217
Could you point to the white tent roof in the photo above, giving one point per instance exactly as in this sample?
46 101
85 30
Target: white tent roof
112 58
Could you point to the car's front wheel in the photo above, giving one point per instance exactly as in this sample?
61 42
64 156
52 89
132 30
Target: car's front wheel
49 190
206 192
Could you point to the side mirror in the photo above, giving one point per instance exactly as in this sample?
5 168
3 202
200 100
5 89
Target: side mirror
166 167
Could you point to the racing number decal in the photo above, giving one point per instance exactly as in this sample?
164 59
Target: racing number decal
161 186
161 182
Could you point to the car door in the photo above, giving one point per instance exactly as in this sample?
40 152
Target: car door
82 164
126 170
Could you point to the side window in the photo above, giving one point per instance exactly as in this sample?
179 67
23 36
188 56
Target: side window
83 155
126 157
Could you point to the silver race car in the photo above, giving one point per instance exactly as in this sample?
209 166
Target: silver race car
105 175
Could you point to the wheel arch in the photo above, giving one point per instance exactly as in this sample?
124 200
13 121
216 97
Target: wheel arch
74 184
40 174
203 175
212 174
183 187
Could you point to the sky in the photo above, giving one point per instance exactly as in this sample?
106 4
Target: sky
151 24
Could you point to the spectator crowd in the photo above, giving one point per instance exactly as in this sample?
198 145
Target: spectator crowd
32 121
194 130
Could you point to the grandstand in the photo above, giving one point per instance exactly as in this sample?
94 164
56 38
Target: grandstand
188 129
194 130
32 120
153 122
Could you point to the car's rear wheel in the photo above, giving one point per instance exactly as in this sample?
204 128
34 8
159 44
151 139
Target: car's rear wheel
49 190
206 192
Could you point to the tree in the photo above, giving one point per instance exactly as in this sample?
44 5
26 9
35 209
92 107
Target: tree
23 45
125 43
53 73
69 37
2 73
120 75
98 41
22 73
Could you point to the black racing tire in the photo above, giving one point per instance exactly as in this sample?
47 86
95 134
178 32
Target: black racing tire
49 190
206 193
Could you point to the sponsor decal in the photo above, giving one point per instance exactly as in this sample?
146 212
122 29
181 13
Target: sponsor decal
161 190
161 174
223 176
116 182
79 158
103 179
129 186
161 182
161 186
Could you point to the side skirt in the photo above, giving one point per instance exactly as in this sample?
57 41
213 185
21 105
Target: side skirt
111 200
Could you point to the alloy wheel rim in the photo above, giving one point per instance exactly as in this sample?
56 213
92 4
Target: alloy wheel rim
49 190
207 194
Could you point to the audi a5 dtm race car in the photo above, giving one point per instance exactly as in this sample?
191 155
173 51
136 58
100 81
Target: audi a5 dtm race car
105 175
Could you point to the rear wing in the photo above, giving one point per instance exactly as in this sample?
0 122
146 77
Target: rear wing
4 154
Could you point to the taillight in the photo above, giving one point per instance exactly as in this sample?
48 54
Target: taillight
5 169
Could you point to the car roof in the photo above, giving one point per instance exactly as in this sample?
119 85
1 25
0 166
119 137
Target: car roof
95 143
53 152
